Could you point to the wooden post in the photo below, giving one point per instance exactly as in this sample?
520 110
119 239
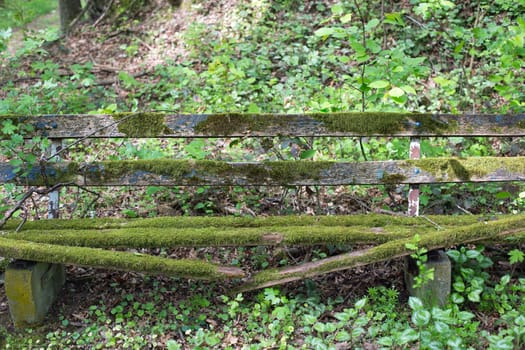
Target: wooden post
32 287
435 292
413 192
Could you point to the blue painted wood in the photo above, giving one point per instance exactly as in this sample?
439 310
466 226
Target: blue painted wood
167 172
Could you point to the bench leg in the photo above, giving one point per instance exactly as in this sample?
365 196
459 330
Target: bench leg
437 291
31 288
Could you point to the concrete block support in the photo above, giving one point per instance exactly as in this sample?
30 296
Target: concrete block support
437 291
31 288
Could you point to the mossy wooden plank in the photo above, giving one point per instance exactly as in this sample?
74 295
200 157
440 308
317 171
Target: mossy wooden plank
153 237
117 260
511 229
168 172
227 222
145 124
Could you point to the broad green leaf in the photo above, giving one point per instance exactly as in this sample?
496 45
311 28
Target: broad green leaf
325 31
357 331
309 319
346 18
337 9
343 336
474 296
421 317
472 254
372 24
409 89
459 286
408 335
360 303
395 18
396 92
307 154
415 303
379 84
520 321
441 327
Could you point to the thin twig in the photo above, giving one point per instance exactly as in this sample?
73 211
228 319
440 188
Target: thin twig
24 219
73 23
463 210
106 10
432 222
363 72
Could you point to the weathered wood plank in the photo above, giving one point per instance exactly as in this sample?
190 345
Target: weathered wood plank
242 125
280 173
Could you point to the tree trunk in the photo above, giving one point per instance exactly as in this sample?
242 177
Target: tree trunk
69 10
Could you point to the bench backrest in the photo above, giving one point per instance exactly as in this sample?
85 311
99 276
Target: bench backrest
169 172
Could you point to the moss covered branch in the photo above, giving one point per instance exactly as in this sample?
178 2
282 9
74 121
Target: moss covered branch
512 228
229 231
153 237
369 220
126 261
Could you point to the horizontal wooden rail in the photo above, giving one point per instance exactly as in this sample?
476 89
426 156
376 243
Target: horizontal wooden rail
242 125
169 172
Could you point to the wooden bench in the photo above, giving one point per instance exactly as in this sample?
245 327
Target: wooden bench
92 241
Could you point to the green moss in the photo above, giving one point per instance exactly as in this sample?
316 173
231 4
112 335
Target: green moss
368 220
187 268
393 178
142 124
466 169
377 123
154 237
521 124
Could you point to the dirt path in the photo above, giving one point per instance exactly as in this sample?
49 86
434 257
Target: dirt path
46 21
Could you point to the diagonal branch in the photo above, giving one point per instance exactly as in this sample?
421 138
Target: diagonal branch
484 231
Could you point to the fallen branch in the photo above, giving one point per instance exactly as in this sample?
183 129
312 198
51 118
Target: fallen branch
495 230
124 261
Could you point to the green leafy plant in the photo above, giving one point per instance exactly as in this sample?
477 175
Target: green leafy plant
470 279
419 254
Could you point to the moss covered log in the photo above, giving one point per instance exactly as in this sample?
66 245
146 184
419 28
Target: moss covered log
228 231
125 261
147 124
154 237
511 229
369 220
169 172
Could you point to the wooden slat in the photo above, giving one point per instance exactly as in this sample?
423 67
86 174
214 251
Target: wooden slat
216 173
241 125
